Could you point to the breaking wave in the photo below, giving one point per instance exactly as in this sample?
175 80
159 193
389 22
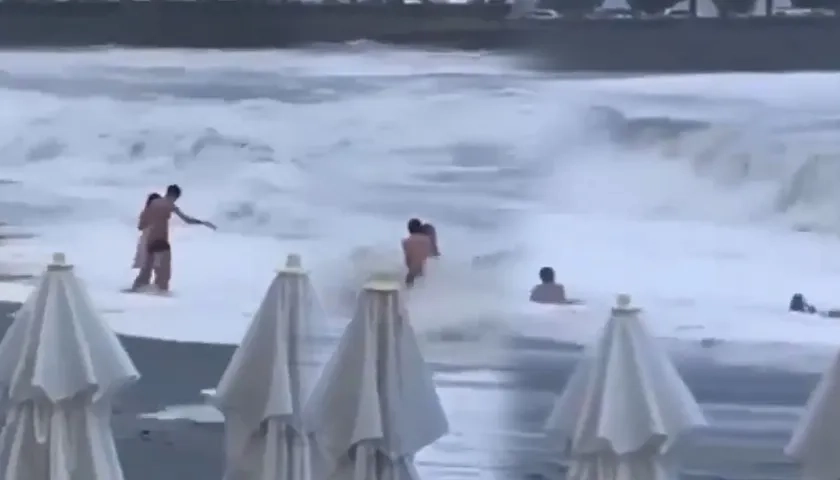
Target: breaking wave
781 171
330 154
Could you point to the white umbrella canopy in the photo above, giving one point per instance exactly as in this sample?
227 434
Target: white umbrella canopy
375 405
816 439
261 391
624 407
60 367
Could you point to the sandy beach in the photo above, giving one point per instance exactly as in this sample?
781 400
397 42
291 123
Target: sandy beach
751 412
171 373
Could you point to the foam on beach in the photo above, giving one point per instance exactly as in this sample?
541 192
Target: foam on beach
735 313
16 292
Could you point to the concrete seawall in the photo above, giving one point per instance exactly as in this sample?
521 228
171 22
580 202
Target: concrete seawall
760 44
232 24
614 45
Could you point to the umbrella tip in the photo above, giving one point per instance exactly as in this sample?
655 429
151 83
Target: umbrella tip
59 262
623 304
293 260
383 282
622 300
293 265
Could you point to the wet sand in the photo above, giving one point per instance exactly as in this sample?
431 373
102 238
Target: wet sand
496 416
172 373
751 412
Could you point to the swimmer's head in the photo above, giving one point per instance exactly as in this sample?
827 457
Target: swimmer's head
547 275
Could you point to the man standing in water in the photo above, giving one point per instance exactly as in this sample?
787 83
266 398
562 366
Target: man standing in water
155 220
417 248
548 290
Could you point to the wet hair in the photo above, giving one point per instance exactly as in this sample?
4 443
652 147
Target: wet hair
429 231
797 303
173 191
547 274
152 197
415 226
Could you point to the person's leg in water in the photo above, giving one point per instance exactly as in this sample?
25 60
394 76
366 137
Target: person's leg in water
158 261
410 278
144 276
163 270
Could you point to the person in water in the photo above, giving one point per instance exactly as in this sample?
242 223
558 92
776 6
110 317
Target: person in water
548 291
140 254
155 219
430 231
417 248
799 304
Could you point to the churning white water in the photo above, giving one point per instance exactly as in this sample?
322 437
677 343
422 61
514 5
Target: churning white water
710 198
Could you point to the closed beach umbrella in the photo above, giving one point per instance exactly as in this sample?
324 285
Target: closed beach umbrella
816 439
625 406
60 367
375 406
261 391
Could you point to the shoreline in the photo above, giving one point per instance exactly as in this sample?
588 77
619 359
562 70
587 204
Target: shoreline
784 356
546 372
797 358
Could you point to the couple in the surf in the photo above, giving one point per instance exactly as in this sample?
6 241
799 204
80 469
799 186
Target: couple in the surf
420 245
154 253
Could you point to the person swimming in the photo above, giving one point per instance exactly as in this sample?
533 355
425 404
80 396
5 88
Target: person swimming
799 304
548 291
141 253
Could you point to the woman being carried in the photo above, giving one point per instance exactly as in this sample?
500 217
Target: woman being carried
142 225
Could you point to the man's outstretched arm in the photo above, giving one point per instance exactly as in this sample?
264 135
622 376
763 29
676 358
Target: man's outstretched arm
190 220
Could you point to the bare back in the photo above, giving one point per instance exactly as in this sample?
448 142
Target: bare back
549 293
156 217
417 248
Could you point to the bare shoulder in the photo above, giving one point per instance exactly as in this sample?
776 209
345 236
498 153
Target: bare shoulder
161 204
